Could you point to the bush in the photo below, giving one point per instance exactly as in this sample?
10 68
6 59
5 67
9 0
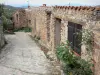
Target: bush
26 29
73 65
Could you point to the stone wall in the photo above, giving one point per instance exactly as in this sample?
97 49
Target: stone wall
15 19
86 17
2 38
96 52
28 17
40 21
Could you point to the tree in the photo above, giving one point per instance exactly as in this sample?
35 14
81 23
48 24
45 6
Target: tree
1 9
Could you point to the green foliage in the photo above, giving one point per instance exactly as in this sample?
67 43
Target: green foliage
87 40
7 23
6 15
1 9
73 65
8 11
25 29
16 30
63 53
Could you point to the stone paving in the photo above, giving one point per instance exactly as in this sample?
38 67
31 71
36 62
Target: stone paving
21 56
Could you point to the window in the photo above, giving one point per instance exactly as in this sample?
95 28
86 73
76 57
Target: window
73 28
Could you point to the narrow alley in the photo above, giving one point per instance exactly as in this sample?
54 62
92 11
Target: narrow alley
21 56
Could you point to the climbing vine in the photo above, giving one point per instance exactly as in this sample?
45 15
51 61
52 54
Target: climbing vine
87 40
74 65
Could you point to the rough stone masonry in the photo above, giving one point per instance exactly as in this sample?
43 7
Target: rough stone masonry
51 24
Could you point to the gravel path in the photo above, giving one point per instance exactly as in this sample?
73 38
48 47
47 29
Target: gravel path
21 56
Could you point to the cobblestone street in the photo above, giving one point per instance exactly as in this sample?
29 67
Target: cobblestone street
21 56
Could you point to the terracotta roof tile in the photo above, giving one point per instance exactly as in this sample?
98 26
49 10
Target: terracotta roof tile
98 8
78 8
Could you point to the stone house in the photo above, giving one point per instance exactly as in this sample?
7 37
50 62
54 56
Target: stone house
40 19
20 19
55 25
72 19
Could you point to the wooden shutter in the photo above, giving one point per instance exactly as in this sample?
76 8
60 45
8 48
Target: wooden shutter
73 38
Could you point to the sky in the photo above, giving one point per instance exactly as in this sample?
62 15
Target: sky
19 3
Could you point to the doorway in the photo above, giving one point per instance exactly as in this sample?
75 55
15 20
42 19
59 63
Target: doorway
48 25
57 32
